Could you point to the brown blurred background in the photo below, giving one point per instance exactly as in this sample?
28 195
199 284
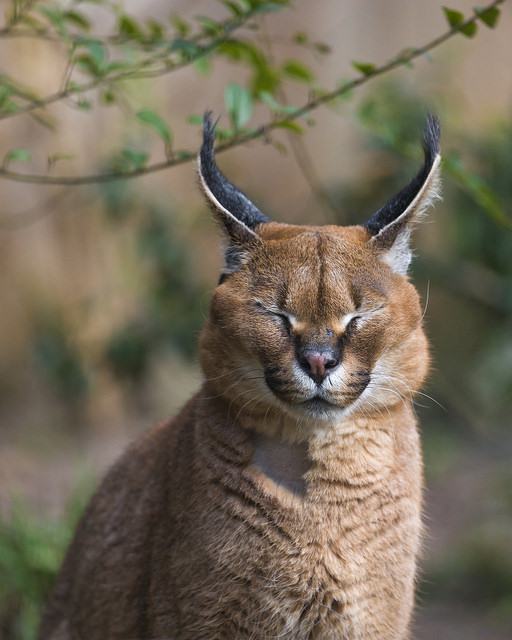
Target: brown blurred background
103 288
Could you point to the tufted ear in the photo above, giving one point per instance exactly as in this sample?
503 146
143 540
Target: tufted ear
232 208
391 226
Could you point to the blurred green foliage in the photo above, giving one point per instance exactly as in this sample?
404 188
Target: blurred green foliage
105 57
31 551
475 569
100 65
59 360
167 316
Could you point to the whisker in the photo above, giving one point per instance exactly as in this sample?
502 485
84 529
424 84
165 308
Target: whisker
227 373
427 299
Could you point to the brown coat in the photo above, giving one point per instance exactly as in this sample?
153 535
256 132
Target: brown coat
284 499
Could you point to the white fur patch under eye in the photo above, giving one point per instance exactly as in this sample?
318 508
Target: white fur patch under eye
347 319
359 316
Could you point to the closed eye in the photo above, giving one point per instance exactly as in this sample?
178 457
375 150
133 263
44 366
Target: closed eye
287 319
351 324
352 320
286 322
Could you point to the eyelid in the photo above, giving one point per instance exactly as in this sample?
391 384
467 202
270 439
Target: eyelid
263 307
274 310
361 315
376 309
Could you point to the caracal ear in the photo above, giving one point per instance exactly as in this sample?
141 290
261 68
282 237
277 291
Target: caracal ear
238 216
392 224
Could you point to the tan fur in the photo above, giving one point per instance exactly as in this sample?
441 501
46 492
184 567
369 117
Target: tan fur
252 514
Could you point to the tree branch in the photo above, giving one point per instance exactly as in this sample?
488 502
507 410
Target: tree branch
263 130
228 28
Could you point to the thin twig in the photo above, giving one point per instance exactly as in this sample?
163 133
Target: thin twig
229 27
17 17
299 150
263 130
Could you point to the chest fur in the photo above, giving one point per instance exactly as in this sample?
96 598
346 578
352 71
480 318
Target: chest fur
334 558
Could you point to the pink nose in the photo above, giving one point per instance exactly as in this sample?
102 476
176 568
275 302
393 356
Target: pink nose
318 364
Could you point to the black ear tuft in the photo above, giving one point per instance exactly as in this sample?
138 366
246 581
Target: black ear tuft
399 203
226 200
391 226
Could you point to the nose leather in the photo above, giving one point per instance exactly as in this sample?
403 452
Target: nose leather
318 364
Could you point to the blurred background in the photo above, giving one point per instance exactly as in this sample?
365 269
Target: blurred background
104 287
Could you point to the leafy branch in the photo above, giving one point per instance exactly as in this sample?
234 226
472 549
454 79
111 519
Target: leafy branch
281 118
170 55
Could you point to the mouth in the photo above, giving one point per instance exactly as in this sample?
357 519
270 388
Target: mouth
320 407
318 401
316 406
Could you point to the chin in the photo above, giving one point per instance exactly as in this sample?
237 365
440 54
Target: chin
316 409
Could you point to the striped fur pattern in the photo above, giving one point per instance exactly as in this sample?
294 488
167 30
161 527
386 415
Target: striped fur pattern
284 500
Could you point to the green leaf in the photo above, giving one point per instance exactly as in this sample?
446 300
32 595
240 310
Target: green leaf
322 48
210 27
156 30
186 46
290 109
32 22
224 134
96 49
138 159
57 157
17 155
268 7
265 78
239 104
129 27
78 19
84 104
301 38
94 59
489 17
195 119
270 101
55 17
153 120
181 27
181 154
87 63
469 30
454 17
108 97
203 65
234 8
116 65
298 71
5 94
10 107
288 124
366 68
